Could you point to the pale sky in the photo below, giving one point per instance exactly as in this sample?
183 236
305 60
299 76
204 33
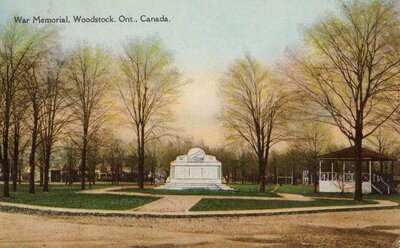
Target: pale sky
205 37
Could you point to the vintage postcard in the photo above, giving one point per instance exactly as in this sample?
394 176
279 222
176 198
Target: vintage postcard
184 123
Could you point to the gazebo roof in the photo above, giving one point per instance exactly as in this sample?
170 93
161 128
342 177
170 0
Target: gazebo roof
348 154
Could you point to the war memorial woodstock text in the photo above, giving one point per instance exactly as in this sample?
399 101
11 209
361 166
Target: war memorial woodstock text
91 19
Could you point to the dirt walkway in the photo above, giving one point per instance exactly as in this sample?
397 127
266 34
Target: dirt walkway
170 204
345 229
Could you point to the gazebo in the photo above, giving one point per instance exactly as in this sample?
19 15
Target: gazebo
336 171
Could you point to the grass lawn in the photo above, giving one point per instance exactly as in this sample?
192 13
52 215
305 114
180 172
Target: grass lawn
251 187
209 204
241 190
300 189
308 190
67 196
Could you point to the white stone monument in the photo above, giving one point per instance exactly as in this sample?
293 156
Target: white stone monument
196 170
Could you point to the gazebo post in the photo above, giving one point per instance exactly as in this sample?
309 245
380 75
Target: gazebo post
344 167
370 164
320 165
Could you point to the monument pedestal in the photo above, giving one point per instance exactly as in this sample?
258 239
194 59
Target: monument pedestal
196 170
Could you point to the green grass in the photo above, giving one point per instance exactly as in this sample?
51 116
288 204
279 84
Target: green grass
308 190
67 196
300 189
392 197
251 187
241 190
209 204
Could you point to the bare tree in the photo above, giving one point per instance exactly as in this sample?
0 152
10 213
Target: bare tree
34 90
229 161
152 159
352 70
148 87
170 149
95 156
87 72
70 156
54 116
383 140
19 48
253 108
18 140
313 138
248 165
274 158
114 155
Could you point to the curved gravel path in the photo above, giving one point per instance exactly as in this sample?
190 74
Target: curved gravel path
179 205
182 203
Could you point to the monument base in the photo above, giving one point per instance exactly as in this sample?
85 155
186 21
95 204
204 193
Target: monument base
195 186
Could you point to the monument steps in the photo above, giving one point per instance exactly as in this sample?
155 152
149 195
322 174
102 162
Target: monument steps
199 186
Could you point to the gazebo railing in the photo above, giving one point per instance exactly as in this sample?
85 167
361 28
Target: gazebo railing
379 179
366 177
340 176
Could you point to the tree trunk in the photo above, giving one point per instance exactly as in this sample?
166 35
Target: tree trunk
15 164
294 181
6 176
21 161
5 160
358 196
94 176
83 164
141 158
19 175
41 174
84 154
117 175
234 175
275 174
141 168
32 157
70 173
46 169
261 174
315 178
316 186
